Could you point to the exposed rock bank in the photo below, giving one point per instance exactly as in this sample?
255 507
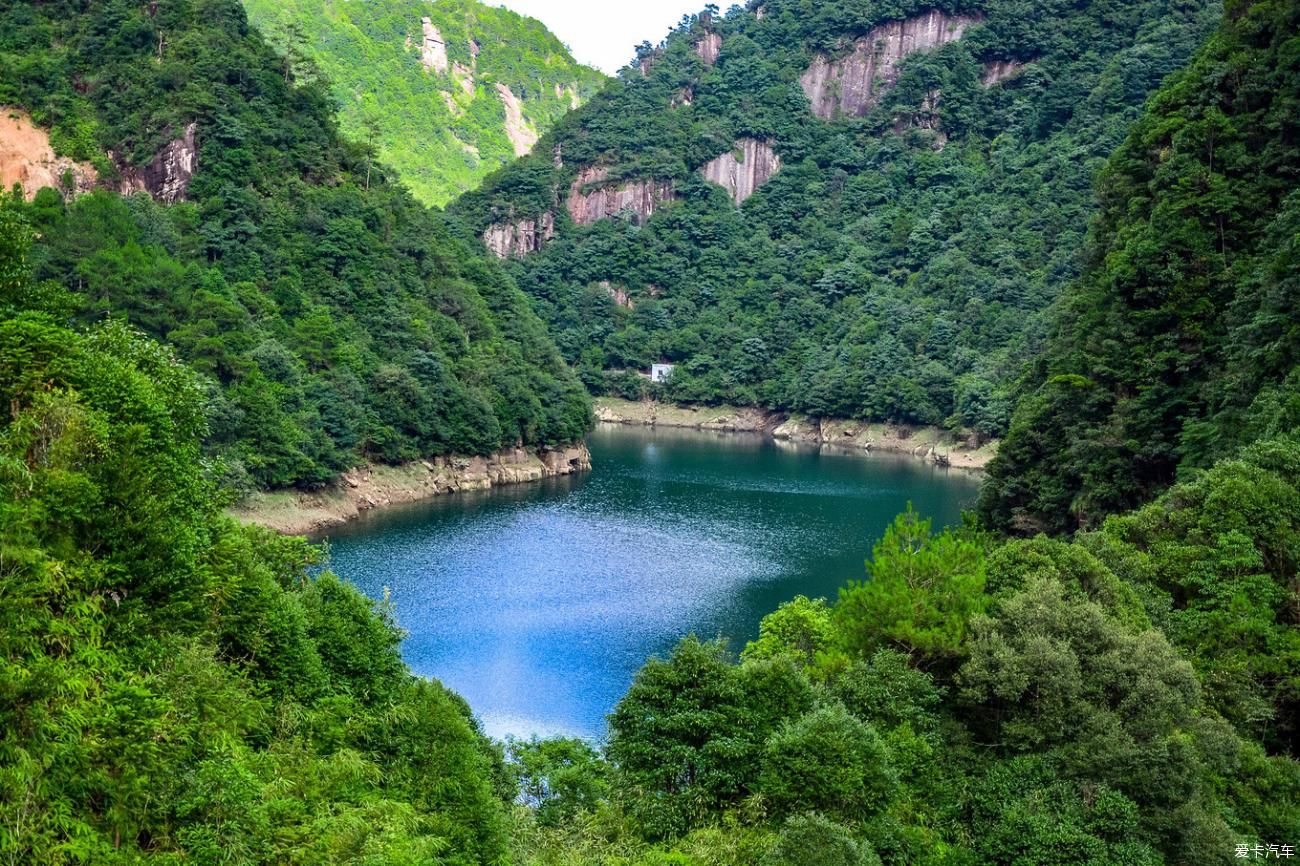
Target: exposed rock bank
28 159
743 169
848 86
592 198
376 486
928 443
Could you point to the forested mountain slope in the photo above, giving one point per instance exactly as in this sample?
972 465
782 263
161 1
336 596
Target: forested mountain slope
332 318
449 90
177 689
1180 342
173 687
853 209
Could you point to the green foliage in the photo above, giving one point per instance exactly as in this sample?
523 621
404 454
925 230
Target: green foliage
681 731
176 688
442 132
888 692
827 761
799 629
1089 703
923 590
559 778
1183 325
332 318
1217 559
1031 818
812 840
888 271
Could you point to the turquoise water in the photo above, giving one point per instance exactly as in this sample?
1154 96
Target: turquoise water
539 602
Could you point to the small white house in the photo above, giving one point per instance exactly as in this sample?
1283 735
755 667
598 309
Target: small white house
659 373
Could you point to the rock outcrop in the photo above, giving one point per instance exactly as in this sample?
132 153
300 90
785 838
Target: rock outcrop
926 117
1000 70
27 159
514 239
369 487
708 47
591 199
571 92
433 50
167 176
743 169
849 86
618 294
463 76
518 129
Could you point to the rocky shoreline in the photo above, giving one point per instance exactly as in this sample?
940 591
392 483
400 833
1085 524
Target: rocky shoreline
928 443
363 488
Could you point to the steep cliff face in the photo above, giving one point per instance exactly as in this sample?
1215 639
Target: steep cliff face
618 294
433 50
27 159
743 169
849 86
590 199
167 176
996 71
516 239
518 130
709 46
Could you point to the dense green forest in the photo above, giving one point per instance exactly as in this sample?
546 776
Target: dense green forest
898 264
442 129
331 317
1181 341
178 689
173 685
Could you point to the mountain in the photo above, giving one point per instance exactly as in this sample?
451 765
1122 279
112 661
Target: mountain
1179 344
333 319
448 90
176 688
855 209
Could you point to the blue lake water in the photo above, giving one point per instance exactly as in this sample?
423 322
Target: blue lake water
539 602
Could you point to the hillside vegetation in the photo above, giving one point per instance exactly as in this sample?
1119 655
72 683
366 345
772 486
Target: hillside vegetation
1180 343
431 98
176 689
331 317
895 244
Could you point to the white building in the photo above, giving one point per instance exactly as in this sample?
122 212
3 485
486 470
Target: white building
659 373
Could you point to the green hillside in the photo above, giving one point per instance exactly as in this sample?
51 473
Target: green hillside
439 119
333 319
894 260
269 305
1181 342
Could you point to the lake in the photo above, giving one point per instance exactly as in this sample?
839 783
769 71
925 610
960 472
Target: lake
539 602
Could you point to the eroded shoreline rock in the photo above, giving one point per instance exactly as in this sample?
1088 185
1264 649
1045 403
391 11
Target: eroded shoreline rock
372 486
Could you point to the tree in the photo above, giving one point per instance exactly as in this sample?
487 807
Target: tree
799 629
923 590
827 761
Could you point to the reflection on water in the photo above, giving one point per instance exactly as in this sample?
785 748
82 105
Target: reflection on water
539 602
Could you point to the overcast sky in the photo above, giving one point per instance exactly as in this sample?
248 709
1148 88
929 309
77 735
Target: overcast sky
603 33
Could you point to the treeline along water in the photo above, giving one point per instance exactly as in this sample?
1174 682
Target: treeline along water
539 602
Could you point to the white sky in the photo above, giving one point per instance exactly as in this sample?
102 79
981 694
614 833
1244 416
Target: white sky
603 33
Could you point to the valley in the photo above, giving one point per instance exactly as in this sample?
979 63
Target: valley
630 421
